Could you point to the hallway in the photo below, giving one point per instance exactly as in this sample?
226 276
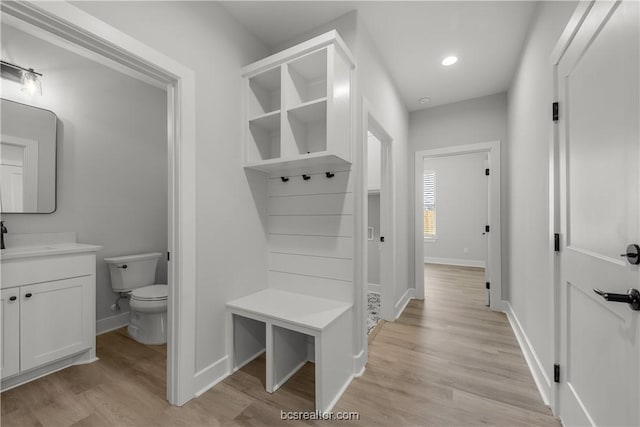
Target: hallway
447 361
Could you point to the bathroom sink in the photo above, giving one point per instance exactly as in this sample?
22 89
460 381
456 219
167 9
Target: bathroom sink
45 250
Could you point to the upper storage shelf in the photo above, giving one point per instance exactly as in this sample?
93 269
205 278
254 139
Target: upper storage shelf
298 108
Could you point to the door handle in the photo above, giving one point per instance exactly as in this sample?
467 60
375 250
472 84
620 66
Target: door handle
632 297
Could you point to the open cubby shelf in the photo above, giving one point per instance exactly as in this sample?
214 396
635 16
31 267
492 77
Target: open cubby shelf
264 92
294 115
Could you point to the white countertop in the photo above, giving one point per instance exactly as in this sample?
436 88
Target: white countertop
302 310
47 250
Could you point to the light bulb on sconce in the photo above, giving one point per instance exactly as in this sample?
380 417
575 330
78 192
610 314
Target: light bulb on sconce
31 83
27 77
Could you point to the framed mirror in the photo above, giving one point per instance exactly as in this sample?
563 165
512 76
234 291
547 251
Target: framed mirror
27 159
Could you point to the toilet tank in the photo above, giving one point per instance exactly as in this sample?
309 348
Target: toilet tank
132 271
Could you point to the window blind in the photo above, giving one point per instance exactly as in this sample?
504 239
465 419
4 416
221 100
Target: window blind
429 199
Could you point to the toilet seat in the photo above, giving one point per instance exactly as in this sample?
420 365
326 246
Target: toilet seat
150 293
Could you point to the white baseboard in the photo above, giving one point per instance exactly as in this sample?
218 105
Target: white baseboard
374 288
208 377
456 261
403 301
112 323
543 382
359 362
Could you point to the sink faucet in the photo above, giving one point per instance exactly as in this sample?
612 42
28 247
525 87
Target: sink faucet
3 230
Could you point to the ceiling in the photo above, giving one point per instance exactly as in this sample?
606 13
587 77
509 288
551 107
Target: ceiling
412 38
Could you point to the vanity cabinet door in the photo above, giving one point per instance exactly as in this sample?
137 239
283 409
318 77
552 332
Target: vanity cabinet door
10 340
55 320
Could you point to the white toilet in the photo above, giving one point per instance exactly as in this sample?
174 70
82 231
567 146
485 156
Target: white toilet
135 274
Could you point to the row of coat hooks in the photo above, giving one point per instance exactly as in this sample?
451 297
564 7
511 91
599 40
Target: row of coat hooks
308 177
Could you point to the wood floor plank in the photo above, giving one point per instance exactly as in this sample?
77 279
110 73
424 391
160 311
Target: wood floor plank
447 361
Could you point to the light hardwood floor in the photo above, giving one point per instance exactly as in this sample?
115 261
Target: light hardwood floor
448 361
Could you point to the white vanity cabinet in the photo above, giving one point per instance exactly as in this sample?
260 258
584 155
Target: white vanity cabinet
48 310
55 320
10 344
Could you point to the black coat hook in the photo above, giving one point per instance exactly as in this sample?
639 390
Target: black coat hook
306 177
330 174
284 178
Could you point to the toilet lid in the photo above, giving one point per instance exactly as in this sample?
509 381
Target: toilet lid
152 292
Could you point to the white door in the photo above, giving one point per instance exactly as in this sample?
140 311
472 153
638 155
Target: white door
598 93
12 191
10 330
55 320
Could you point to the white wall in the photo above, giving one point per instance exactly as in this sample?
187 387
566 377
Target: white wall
231 203
310 239
530 98
374 169
373 251
112 155
377 86
461 210
374 162
467 122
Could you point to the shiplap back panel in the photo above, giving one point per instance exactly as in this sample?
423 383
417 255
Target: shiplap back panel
310 237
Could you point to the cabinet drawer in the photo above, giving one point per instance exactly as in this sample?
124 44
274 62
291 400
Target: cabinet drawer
25 271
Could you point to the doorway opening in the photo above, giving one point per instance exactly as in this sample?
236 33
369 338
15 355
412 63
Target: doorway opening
379 244
455 199
66 24
457 223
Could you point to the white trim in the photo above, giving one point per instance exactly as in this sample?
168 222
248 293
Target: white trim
304 48
79 50
403 302
369 122
207 378
112 323
543 382
566 38
456 261
494 255
82 358
76 26
375 288
569 32
359 363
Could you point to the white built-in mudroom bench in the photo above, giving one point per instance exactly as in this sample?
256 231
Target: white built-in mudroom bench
293 328
297 131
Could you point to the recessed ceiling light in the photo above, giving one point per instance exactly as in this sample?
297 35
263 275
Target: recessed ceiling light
424 100
449 60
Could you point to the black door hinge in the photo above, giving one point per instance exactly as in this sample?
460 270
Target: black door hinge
487 228
382 239
168 256
556 107
488 285
486 171
556 242
556 373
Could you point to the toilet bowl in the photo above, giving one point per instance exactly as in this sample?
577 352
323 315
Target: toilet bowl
135 275
148 314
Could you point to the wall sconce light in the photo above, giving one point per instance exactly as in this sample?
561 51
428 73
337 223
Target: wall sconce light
27 77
